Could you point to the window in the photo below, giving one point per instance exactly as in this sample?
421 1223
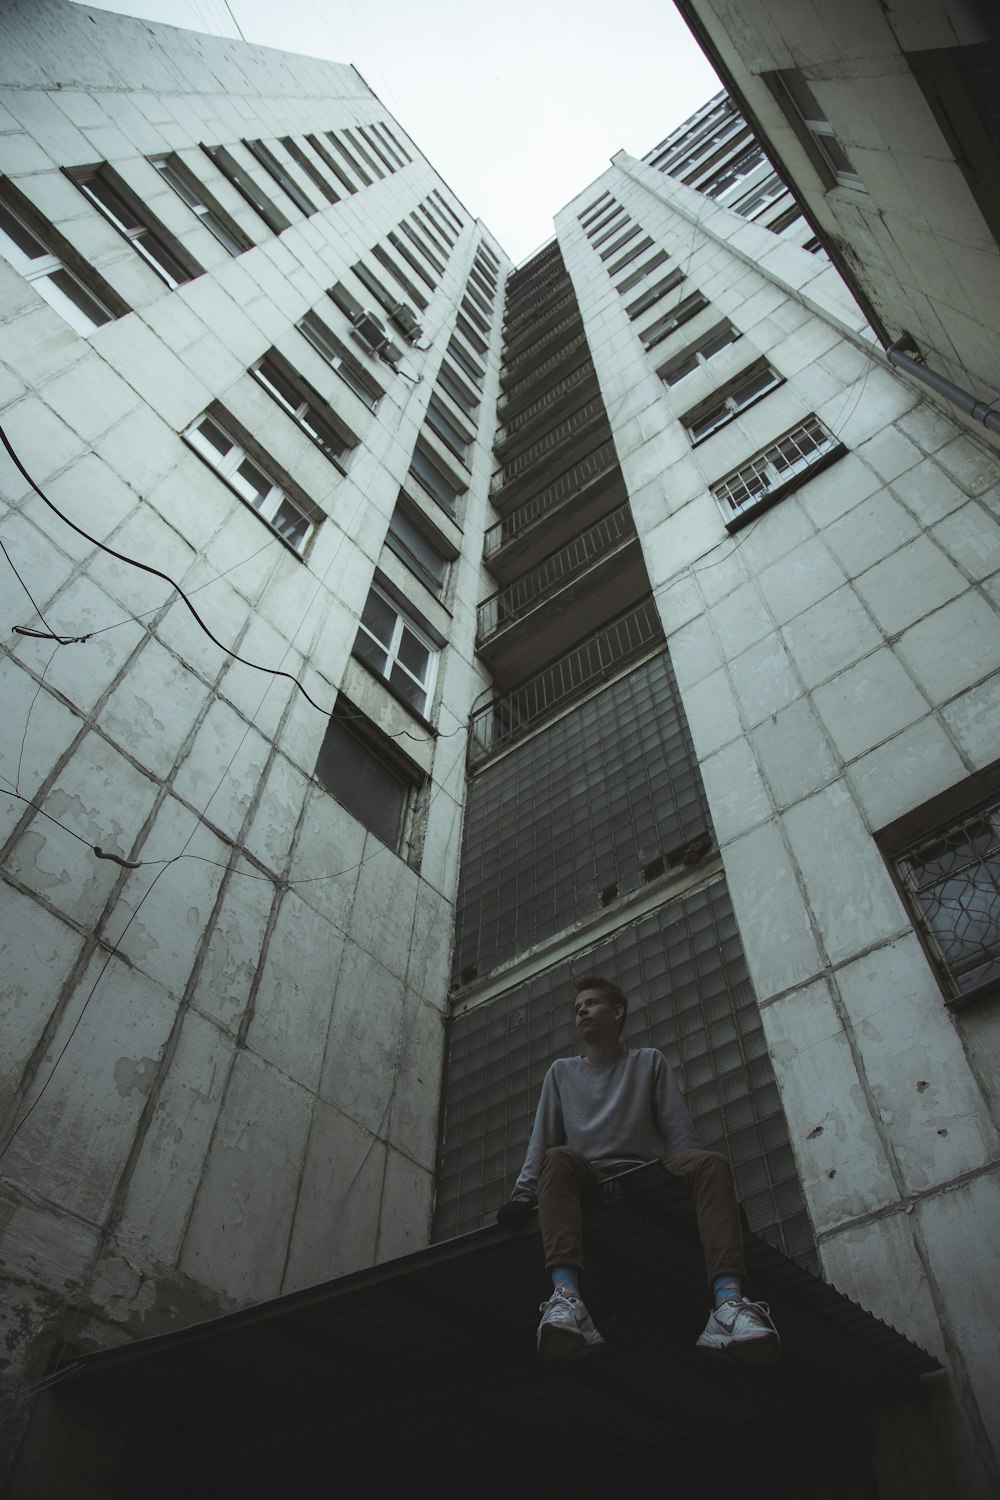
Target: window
281 175
367 775
327 347
360 149
460 394
386 260
411 260
635 277
61 289
355 167
243 474
439 485
652 296
310 168
814 130
305 406
608 227
698 353
132 219
393 647
410 542
428 255
465 362
621 242
619 265
949 876
247 188
187 187
447 431
334 166
377 146
402 154
723 405
671 321
469 334
775 471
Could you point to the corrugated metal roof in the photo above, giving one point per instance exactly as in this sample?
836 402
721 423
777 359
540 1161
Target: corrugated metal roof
424 1369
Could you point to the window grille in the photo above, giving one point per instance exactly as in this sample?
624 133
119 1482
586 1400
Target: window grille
773 470
951 880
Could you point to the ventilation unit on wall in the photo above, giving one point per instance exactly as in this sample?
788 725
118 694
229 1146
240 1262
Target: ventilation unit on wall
405 319
370 332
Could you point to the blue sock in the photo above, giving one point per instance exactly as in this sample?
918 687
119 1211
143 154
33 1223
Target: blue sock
726 1288
565 1279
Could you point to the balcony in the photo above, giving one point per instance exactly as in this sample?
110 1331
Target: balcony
577 498
589 580
517 306
521 366
513 714
554 400
516 393
553 310
559 444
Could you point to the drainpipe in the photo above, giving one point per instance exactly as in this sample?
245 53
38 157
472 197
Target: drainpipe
981 411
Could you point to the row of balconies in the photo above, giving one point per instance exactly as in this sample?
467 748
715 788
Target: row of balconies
515 314
596 466
545 406
547 446
555 308
521 366
520 392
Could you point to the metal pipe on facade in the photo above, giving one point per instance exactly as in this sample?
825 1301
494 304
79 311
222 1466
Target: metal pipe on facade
981 411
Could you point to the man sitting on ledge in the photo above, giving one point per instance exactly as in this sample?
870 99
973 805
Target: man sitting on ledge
601 1114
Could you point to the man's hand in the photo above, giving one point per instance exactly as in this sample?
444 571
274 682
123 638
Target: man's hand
514 1213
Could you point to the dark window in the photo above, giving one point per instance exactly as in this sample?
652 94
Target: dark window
281 175
425 559
723 405
355 166
457 391
635 277
337 357
305 406
133 220
671 321
310 168
439 485
358 766
247 188
411 260
698 353
361 150
328 161
465 362
650 297
377 146
200 201
447 431
64 291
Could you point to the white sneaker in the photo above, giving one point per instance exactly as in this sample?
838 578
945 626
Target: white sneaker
743 1329
566 1330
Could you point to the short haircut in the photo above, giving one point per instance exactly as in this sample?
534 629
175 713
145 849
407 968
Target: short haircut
609 990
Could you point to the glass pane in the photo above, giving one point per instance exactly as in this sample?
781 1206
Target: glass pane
22 238
252 483
290 523
417 546
678 372
370 652
380 618
214 435
409 690
69 298
370 790
414 655
222 234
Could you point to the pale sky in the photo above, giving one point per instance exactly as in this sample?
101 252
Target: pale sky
519 105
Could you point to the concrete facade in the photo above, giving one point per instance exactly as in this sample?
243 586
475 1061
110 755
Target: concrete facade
221 1067
898 163
225 1046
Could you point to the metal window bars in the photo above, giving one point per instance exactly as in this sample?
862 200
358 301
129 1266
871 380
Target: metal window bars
952 881
772 469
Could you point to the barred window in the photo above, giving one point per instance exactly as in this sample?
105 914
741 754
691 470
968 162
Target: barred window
775 471
948 873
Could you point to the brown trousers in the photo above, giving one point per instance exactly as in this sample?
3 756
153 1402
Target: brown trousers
568 1183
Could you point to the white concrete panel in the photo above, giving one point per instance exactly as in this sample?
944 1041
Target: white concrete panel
869 702
794 753
407 1196
336 1216
295 994
906 771
773 920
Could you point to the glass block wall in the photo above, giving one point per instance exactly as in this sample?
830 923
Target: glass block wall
682 967
585 810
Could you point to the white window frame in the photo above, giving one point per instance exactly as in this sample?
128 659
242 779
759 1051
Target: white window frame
147 236
805 115
719 409
314 330
402 625
774 470
310 413
672 373
42 270
274 506
185 184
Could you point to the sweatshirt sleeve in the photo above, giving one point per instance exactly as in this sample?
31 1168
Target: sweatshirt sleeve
548 1130
671 1112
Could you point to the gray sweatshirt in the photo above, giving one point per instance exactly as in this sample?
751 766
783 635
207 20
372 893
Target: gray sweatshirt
615 1114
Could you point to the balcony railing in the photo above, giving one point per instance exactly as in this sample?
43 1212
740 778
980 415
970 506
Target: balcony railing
561 355
516 307
509 603
601 461
546 338
528 335
518 711
552 395
578 421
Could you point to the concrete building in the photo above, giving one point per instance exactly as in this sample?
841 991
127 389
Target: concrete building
883 120
698 688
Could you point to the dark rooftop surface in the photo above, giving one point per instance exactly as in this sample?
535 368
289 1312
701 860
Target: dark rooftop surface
422 1374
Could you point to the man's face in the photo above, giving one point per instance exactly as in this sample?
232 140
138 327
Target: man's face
596 1015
